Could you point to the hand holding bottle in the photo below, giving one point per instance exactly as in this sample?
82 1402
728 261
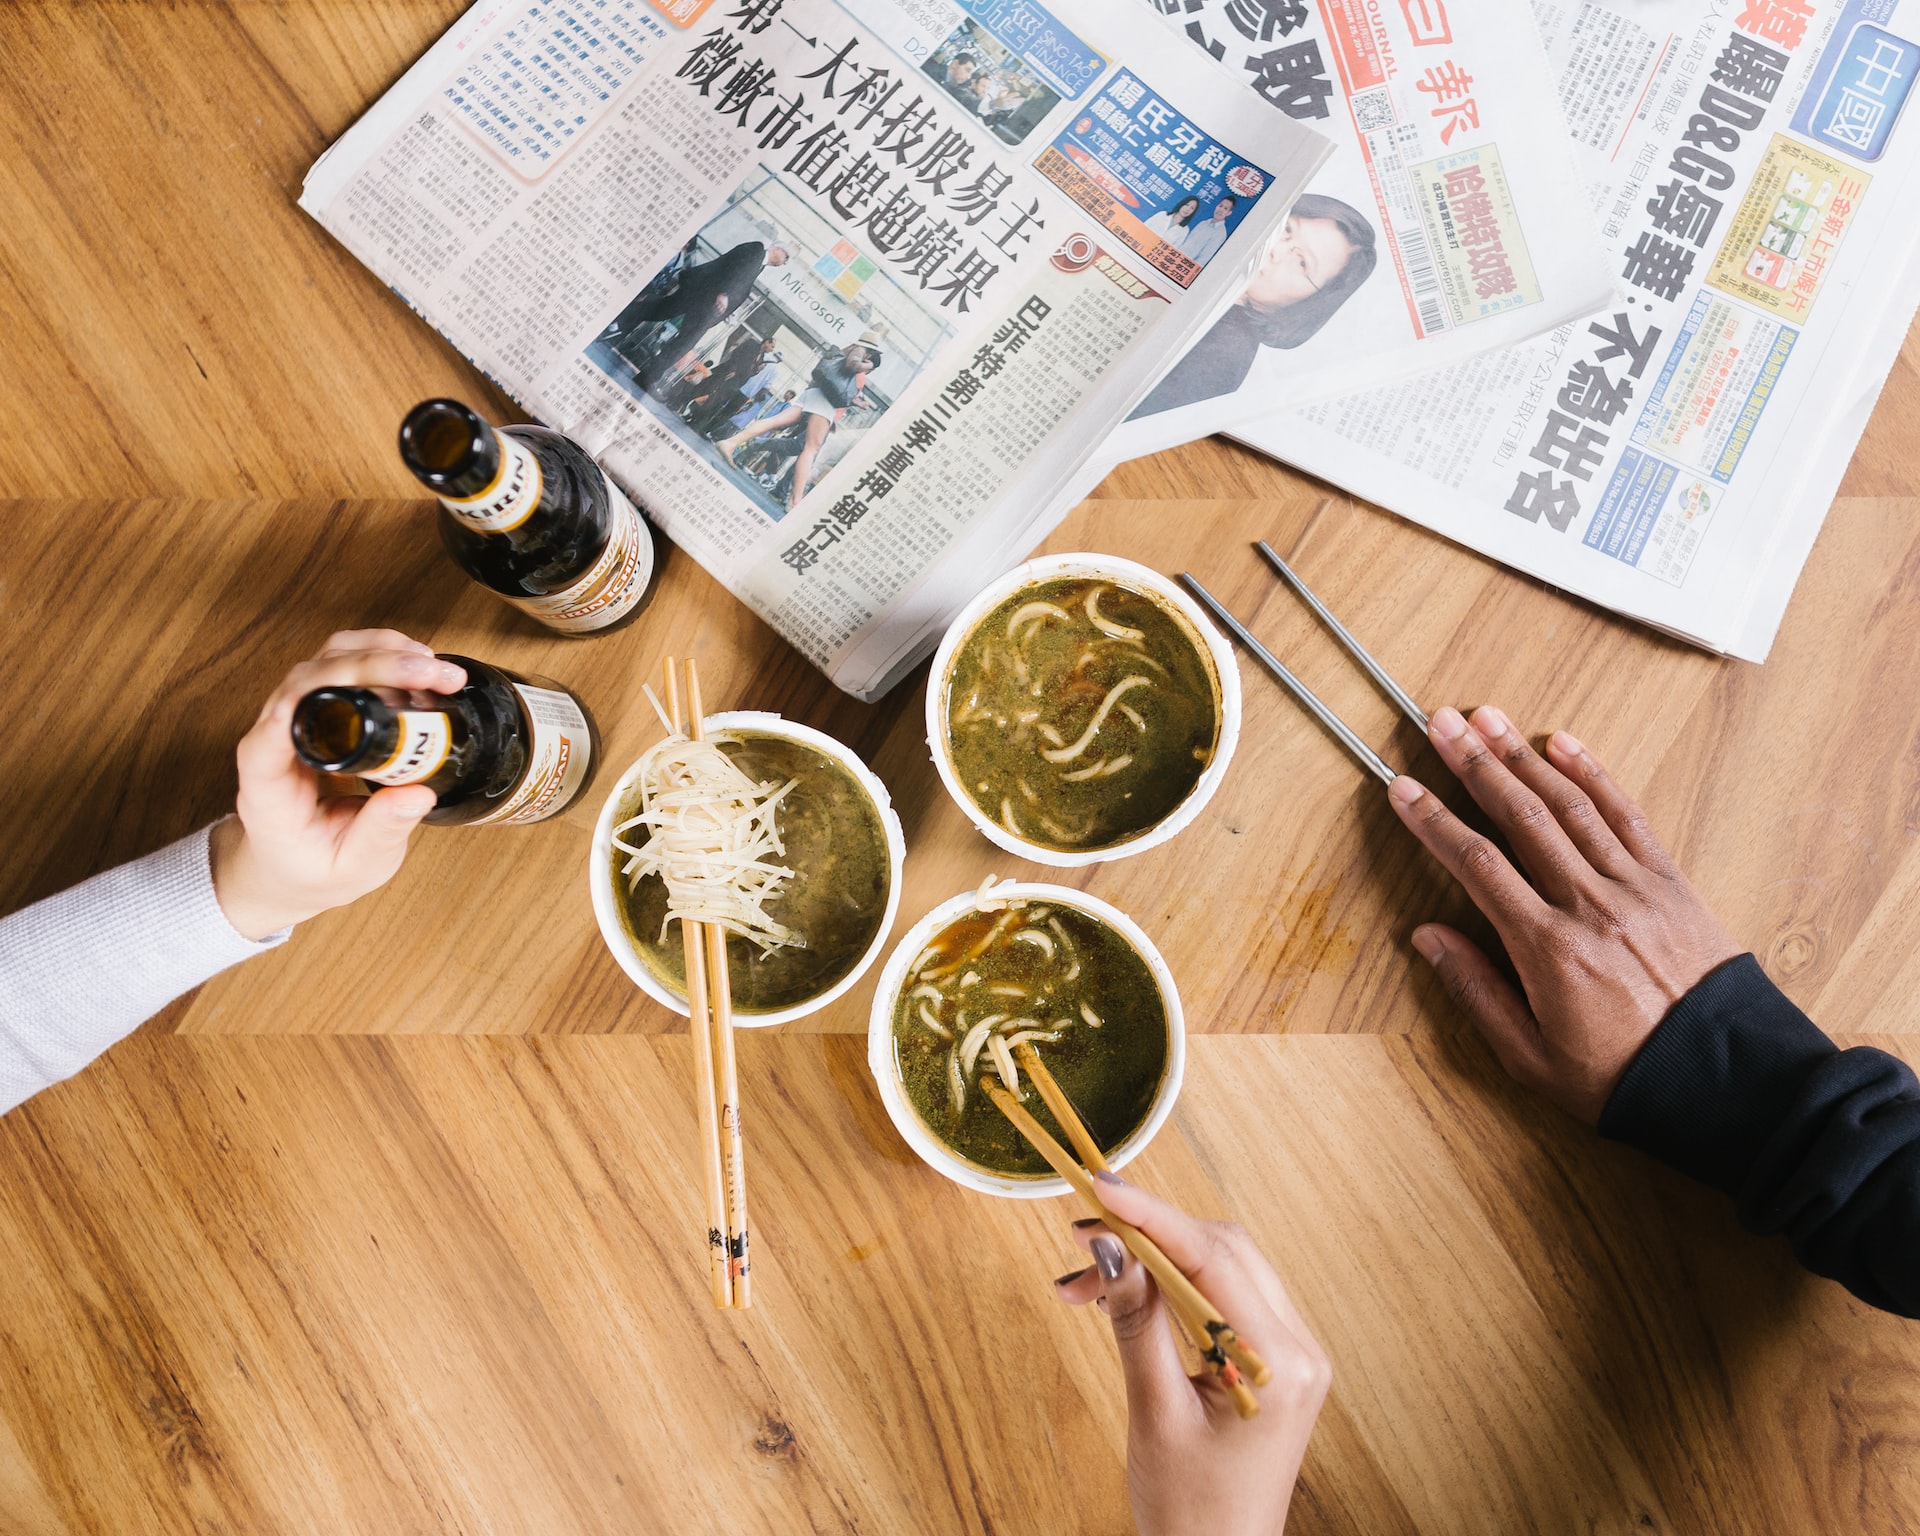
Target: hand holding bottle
291 853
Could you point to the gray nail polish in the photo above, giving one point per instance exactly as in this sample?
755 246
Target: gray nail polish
1108 1254
1069 1279
1108 1176
1086 1221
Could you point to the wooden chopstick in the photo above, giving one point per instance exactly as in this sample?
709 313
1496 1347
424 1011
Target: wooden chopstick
1181 1293
706 1101
1244 1402
726 1073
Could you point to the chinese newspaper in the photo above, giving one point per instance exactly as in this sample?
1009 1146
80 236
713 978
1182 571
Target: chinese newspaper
1674 456
841 294
1450 220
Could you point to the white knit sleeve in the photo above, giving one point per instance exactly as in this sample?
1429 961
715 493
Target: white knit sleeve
82 969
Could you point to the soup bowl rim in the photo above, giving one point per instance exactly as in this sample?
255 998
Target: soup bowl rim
893 1094
600 871
1127 572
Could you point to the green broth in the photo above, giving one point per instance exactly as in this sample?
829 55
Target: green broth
1109 1071
837 848
1076 736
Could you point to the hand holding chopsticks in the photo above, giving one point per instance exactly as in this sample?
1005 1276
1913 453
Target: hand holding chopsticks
1191 1466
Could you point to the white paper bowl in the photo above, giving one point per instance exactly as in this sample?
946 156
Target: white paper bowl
1125 573
623 801
936 1153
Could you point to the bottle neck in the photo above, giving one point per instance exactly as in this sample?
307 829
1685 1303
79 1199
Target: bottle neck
354 731
490 480
510 498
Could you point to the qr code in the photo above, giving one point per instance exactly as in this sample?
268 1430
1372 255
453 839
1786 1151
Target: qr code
1373 109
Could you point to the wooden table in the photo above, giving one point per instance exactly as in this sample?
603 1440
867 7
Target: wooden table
393 1230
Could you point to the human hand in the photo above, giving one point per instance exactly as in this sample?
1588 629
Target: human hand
291 852
1605 932
1194 1466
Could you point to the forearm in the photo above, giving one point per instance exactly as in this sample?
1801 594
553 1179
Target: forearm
82 969
1737 1088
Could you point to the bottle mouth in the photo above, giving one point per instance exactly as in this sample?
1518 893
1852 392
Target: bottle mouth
330 728
443 442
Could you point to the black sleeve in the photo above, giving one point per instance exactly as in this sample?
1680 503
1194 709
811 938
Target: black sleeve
1739 1090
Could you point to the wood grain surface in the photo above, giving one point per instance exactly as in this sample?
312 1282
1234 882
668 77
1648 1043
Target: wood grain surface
393 1230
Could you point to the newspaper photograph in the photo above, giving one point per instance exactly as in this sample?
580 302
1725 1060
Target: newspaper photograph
1673 457
1446 223
842 295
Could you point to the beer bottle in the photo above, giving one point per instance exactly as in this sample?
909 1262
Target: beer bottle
504 749
528 514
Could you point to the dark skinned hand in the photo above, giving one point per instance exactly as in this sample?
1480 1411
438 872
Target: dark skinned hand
1604 931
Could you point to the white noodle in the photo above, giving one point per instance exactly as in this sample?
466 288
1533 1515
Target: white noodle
1035 937
1105 625
971 979
976 1038
1006 817
1007 989
1003 1060
1133 714
925 955
923 990
1052 735
1037 613
1033 1034
1068 754
1090 1016
1109 769
712 838
927 1018
1091 771
956 1081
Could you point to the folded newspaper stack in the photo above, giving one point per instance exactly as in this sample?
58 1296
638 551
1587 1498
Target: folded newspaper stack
1671 453
843 294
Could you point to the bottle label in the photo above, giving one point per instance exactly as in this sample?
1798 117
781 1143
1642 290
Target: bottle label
510 500
559 751
611 587
426 737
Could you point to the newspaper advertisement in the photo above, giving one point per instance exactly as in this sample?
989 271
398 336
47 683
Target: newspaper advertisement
1672 458
841 294
1445 224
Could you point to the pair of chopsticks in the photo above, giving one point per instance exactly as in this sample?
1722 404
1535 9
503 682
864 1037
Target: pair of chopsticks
1339 729
716 1080
1206 1329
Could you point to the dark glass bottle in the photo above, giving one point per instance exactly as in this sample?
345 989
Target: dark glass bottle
504 749
528 514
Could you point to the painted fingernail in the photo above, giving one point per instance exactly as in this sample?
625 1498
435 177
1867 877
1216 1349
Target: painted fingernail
1405 790
1490 722
1448 723
1108 1176
1567 744
1087 1221
1069 1279
1109 1255
1429 944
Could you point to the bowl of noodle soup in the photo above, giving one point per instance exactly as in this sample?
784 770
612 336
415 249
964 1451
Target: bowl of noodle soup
1098 1003
1082 708
838 834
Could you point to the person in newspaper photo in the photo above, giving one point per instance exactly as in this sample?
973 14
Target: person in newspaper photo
837 383
1318 261
1171 224
703 294
977 70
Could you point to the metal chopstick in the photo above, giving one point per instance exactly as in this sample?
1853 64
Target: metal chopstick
1367 757
1355 649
